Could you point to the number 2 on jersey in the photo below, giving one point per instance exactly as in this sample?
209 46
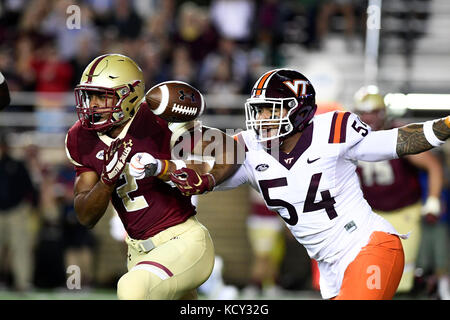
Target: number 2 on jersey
326 203
125 189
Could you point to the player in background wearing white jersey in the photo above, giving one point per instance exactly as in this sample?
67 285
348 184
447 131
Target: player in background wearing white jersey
304 166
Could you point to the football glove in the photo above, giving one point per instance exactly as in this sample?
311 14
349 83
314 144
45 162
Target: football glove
431 210
114 160
143 165
189 182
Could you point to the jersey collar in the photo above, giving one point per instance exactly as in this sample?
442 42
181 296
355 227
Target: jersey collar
289 159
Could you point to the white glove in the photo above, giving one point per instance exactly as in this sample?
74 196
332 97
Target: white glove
431 210
432 206
143 164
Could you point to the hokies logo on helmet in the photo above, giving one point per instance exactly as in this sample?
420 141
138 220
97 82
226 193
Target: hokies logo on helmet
298 87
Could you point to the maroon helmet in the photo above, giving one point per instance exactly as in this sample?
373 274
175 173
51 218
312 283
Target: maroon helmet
291 99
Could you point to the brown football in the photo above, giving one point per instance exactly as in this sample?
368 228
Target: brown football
175 101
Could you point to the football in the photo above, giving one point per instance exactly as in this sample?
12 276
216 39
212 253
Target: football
175 101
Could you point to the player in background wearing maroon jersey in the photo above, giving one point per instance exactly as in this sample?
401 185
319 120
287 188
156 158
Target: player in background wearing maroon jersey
4 93
392 187
170 253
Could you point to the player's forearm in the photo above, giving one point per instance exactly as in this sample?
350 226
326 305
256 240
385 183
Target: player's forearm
227 159
412 140
91 205
435 180
222 172
225 151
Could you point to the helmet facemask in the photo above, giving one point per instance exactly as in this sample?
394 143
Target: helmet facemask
279 121
103 117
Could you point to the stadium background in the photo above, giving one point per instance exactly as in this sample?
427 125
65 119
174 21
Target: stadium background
221 47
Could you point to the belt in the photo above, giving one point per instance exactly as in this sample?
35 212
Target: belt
142 246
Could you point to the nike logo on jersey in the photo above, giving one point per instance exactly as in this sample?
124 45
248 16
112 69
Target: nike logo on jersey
262 167
311 161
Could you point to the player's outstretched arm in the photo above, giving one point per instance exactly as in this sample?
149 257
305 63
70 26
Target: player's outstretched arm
4 93
416 138
225 152
193 176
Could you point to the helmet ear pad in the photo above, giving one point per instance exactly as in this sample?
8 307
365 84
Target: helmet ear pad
302 115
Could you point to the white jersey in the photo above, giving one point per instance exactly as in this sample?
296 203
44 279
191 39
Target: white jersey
316 190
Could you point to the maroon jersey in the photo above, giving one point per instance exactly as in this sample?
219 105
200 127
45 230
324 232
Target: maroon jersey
260 209
389 185
145 206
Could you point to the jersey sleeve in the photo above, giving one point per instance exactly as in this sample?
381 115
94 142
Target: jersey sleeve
71 145
361 143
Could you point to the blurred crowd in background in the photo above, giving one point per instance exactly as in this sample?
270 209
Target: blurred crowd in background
219 46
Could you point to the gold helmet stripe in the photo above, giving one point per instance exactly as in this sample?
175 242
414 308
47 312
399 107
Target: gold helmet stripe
94 65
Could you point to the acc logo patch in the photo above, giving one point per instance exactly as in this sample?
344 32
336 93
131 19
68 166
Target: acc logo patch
100 155
262 167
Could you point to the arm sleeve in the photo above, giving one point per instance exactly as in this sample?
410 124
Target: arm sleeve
367 145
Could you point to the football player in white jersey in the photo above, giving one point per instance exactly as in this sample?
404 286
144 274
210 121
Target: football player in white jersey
304 166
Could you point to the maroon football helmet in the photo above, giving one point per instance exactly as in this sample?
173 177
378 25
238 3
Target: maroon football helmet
290 97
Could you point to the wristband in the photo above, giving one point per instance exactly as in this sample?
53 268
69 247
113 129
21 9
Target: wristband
429 134
163 166
2 78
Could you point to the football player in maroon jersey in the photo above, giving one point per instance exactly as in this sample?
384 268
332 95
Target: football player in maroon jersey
170 253
392 187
